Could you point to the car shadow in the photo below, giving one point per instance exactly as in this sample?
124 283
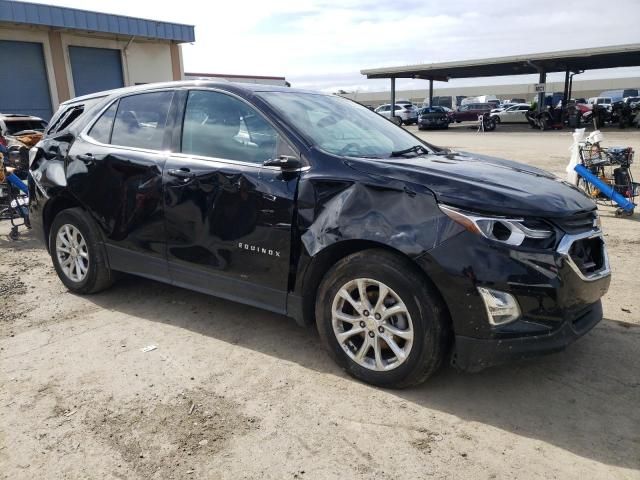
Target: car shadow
569 400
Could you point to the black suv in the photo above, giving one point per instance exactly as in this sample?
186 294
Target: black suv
312 206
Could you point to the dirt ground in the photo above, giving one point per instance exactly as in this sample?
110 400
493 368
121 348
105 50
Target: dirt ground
232 392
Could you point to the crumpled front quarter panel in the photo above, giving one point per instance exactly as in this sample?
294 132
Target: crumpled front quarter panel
392 213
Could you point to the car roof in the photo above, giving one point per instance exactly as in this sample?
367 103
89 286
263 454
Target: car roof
235 87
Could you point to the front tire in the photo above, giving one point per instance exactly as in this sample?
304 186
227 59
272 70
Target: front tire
78 254
381 320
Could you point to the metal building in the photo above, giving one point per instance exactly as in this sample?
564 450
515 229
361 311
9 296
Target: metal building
50 54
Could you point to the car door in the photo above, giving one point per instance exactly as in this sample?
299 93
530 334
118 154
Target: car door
115 170
461 114
228 217
522 114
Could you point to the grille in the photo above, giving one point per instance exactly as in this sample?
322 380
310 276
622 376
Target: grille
577 223
588 255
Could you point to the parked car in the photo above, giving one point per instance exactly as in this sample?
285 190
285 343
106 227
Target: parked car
450 114
517 100
472 111
501 107
600 101
618 95
513 114
20 133
407 113
432 117
12 124
402 253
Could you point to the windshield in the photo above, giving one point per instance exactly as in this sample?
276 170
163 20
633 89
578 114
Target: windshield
340 126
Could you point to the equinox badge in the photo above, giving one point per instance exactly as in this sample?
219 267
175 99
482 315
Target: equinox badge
253 248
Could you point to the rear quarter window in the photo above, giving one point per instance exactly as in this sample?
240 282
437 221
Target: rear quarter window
68 115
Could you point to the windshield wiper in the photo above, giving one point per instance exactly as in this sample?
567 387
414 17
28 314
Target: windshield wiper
414 149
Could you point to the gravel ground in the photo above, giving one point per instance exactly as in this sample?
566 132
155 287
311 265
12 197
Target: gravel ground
232 392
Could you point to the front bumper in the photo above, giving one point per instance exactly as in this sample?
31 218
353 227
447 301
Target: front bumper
558 301
475 354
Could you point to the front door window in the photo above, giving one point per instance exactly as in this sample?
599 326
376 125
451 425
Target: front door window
220 126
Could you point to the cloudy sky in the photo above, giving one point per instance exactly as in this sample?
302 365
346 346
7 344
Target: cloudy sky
323 44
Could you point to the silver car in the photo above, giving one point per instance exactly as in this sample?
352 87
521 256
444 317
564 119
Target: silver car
407 113
513 114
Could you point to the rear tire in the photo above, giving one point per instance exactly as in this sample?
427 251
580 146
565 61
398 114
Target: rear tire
419 332
78 253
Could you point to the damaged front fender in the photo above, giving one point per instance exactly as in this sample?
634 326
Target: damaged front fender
340 211
392 214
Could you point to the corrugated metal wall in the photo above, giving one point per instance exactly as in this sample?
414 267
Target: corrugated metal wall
24 87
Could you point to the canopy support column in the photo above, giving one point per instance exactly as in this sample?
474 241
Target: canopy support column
392 113
565 93
541 95
431 92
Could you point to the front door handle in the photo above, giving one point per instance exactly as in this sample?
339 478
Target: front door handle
183 173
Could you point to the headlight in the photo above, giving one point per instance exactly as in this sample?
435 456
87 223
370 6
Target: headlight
510 231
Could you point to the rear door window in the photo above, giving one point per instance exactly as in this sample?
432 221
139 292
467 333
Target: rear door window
141 120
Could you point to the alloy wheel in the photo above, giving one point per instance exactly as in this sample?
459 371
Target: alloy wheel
72 253
372 324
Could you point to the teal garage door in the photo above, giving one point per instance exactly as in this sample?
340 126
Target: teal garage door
95 69
24 87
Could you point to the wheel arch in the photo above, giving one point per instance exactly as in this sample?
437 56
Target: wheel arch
52 209
327 257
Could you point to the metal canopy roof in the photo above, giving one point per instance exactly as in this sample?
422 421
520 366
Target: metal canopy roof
72 18
582 59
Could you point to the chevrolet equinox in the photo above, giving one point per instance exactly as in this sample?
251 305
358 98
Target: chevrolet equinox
402 253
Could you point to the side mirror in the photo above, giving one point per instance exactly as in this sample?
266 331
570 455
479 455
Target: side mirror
285 162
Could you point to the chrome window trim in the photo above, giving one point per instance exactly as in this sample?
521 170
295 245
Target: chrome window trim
565 246
84 133
189 156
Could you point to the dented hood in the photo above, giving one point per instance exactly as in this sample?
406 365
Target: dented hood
484 184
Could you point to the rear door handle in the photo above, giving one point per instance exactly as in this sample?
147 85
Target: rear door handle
183 173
